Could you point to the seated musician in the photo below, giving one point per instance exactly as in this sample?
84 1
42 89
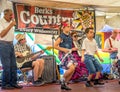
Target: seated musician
31 63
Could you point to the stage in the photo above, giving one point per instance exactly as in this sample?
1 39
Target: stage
110 86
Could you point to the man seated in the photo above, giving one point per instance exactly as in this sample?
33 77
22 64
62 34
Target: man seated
37 65
118 56
110 46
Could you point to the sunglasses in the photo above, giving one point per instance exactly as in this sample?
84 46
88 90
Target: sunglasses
75 36
22 39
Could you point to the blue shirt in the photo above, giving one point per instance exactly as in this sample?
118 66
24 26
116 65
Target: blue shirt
66 41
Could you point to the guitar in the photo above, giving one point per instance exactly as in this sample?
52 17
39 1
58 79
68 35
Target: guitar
21 60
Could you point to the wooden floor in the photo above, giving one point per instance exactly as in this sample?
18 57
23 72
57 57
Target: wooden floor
110 86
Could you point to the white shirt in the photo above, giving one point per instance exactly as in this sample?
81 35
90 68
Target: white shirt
10 35
113 43
89 46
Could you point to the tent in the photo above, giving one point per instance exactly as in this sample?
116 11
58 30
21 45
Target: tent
106 28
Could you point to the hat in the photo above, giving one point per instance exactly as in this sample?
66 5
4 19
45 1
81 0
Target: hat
20 36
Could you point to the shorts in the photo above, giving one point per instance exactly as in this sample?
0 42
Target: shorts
92 64
27 64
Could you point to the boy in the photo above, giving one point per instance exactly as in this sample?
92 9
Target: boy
89 48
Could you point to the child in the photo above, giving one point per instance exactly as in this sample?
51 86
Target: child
64 45
89 48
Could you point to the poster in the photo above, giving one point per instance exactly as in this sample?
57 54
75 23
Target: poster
84 19
47 20
40 20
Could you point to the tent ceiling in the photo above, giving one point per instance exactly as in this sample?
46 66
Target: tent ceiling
104 5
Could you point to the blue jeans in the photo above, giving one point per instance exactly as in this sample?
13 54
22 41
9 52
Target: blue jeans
118 62
92 64
113 55
8 60
118 67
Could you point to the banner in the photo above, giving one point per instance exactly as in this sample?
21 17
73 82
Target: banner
46 20
84 19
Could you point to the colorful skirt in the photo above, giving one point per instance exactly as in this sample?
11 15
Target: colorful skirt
66 59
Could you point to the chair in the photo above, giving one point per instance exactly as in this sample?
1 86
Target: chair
24 71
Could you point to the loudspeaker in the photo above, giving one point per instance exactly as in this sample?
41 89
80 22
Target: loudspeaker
49 72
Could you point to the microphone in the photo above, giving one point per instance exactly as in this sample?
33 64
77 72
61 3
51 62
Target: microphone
14 22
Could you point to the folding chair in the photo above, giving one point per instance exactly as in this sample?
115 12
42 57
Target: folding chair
24 71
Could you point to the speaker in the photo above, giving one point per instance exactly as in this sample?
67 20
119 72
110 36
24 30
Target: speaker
49 72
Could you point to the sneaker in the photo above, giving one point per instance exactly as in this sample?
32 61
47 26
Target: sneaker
7 87
97 82
64 87
41 80
37 83
88 84
17 86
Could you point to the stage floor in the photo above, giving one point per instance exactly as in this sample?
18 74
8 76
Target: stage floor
110 86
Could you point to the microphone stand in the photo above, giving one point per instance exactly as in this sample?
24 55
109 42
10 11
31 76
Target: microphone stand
54 66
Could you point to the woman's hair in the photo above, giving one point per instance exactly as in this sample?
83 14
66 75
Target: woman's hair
87 30
63 24
73 32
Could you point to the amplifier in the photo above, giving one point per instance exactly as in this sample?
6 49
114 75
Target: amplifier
49 72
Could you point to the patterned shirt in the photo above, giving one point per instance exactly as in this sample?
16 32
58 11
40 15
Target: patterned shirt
22 48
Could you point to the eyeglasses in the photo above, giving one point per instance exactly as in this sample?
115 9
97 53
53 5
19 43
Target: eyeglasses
75 36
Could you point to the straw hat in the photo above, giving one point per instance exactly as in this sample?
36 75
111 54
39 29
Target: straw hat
20 36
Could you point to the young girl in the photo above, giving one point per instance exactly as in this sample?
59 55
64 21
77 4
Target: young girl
64 45
89 48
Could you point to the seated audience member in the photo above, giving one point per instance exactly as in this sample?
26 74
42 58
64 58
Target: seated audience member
37 65
111 47
118 54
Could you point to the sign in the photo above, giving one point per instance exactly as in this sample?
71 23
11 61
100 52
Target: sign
40 20
46 20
